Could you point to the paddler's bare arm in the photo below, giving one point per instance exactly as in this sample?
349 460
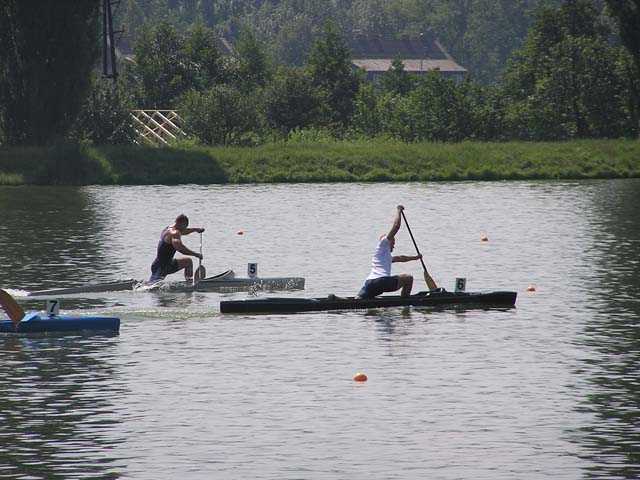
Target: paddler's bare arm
396 222
176 241
405 258
187 231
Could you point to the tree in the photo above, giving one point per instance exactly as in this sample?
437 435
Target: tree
222 115
160 66
329 64
396 80
48 50
291 100
367 118
567 80
204 62
627 14
293 41
436 110
251 67
104 118
370 17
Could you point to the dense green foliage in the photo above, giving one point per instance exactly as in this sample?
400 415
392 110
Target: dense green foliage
569 79
104 118
480 34
327 161
47 52
627 15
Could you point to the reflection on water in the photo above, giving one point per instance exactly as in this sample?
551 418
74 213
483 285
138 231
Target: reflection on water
548 389
57 230
59 396
613 336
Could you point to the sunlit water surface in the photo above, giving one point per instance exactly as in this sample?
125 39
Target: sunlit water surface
549 389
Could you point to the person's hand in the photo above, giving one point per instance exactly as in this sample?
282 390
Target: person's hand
419 256
200 256
199 230
400 207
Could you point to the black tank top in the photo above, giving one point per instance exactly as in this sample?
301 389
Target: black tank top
165 250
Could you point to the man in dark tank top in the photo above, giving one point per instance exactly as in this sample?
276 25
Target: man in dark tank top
170 242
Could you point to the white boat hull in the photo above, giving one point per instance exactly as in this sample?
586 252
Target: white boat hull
223 282
228 282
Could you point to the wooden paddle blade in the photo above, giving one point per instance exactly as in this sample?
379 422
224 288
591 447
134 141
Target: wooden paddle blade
14 311
200 274
430 283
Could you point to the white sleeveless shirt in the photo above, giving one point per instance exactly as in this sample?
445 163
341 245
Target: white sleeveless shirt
381 260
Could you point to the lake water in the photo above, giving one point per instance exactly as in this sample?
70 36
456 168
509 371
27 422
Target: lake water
550 389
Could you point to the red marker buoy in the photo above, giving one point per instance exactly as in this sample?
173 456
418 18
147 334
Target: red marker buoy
531 288
484 239
359 377
240 232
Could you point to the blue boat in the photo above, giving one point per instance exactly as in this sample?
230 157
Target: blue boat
36 322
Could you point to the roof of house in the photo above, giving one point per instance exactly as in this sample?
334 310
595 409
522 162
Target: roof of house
374 53
378 46
413 66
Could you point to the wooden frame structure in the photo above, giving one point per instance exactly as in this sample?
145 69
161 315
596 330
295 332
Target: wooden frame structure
157 127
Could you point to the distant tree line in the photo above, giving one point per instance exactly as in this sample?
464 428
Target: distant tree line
576 75
480 34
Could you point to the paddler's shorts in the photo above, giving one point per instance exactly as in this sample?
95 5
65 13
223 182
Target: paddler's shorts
158 272
376 286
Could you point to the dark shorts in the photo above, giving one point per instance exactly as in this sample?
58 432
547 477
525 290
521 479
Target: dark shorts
159 271
377 286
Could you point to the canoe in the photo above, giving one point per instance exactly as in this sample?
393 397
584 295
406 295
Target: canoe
226 282
223 282
434 298
117 286
36 322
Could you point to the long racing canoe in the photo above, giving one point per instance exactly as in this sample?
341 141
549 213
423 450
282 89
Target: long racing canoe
228 282
223 282
116 286
433 298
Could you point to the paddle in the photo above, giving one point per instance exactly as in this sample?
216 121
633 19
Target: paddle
15 311
201 272
427 278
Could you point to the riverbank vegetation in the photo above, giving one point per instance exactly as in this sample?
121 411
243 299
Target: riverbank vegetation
561 106
328 161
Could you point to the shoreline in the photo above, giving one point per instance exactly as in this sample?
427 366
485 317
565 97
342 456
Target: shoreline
331 162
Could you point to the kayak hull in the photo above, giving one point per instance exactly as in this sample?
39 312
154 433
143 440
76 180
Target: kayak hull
439 298
117 286
224 282
40 323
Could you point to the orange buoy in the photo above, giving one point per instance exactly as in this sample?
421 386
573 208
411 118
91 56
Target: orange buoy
531 288
484 239
240 232
359 377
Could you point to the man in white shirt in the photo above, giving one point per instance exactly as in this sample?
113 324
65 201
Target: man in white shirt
380 279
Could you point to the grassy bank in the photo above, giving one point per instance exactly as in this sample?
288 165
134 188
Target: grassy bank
319 162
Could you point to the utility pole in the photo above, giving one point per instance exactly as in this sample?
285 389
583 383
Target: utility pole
109 69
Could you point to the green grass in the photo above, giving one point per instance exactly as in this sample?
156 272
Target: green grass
319 162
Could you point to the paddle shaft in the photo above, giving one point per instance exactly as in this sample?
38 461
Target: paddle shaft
200 272
427 278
